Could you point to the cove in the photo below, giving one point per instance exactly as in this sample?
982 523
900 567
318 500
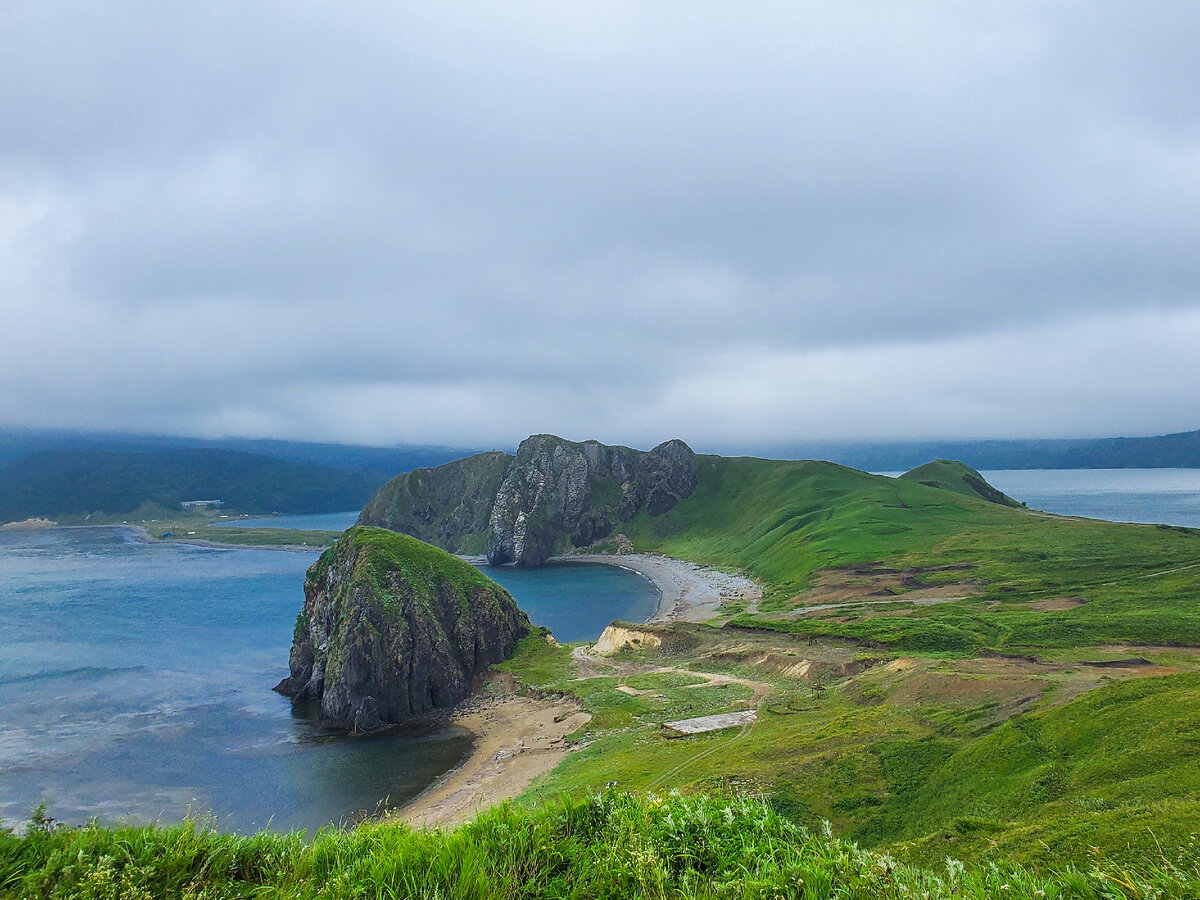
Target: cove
135 684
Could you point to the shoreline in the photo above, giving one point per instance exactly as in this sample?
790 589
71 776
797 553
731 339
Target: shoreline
687 592
515 738
146 537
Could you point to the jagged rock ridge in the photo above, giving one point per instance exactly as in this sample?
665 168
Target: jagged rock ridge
553 494
394 629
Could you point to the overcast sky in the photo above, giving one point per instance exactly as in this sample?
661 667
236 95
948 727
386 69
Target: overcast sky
737 224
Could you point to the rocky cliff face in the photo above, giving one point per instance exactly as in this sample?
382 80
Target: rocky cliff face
449 506
560 490
394 629
524 509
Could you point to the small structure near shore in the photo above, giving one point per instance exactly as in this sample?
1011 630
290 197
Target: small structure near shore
705 724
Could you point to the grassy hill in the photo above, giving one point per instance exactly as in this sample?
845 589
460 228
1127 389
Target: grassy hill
66 483
1017 690
1002 684
952 475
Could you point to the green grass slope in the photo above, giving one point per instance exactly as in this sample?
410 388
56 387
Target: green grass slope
1003 684
787 522
952 475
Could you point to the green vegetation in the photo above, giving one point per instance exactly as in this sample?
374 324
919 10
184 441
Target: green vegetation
1004 684
612 845
265 537
74 483
387 557
790 524
952 475
1013 689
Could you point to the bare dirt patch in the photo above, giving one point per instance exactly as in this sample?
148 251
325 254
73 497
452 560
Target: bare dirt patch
1056 604
868 587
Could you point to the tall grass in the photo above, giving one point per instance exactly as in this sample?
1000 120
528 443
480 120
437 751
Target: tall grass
610 846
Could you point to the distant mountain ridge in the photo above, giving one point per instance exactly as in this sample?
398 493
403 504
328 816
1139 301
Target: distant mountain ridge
63 483
378 463
1168 451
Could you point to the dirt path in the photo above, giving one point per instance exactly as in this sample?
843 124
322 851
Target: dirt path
759 690
517 738
591 665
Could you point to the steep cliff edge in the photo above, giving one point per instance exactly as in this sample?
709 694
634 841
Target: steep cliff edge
558 491
449 506
393 629
552 495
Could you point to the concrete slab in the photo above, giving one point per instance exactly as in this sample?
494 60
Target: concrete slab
704 724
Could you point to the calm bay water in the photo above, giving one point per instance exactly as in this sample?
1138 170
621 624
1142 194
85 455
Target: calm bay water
135 682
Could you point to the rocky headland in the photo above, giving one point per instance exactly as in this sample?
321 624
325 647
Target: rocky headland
394 629
553 496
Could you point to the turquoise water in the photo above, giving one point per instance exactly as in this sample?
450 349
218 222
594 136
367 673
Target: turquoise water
338 521
135 683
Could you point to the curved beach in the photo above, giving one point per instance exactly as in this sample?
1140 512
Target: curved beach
517 737
687 592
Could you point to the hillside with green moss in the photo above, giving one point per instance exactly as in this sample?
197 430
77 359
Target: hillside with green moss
394 629
953 475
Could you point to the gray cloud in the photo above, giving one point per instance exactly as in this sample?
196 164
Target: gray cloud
384 223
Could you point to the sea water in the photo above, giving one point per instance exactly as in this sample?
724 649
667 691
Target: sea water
1157 496
1148 496
135 684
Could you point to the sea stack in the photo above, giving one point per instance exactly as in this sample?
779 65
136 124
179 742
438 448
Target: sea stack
394 629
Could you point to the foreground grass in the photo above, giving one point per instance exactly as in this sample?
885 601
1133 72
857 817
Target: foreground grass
605 846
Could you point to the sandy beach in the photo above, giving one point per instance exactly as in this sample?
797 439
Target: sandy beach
517 738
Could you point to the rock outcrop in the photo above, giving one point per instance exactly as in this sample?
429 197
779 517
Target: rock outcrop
393 629
449 506
554 494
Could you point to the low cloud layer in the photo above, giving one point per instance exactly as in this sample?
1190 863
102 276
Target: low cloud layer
459 224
